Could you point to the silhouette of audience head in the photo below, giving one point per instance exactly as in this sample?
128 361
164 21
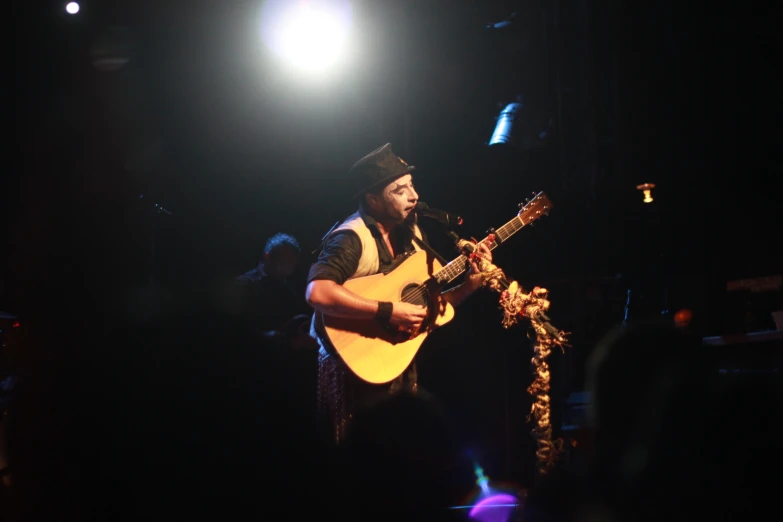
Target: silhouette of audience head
634 368
399 455
672 434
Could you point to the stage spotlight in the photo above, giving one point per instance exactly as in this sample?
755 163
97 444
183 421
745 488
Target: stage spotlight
519 126
72 8
310 35
505 124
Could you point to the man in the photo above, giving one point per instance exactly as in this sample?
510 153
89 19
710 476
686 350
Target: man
370 241
274 309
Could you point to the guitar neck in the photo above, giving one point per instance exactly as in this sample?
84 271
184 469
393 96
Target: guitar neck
458 266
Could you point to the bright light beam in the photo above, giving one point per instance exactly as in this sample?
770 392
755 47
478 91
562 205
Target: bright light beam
72 8
311 36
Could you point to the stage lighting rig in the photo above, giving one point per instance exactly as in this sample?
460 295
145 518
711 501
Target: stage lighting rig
521 126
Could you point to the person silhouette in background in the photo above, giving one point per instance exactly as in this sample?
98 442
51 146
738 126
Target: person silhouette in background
272 306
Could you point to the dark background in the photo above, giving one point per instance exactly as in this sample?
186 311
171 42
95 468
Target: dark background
674 93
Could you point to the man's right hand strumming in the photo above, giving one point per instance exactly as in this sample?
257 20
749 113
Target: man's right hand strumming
407 316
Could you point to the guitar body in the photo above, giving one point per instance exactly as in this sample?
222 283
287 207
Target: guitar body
370 349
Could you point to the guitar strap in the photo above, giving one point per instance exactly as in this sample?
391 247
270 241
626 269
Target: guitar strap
423 244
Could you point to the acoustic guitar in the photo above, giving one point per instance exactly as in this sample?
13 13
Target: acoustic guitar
378 353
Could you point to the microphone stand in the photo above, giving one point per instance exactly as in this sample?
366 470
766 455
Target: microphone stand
536 316
466 251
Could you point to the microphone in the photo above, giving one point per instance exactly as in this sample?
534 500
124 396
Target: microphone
447 218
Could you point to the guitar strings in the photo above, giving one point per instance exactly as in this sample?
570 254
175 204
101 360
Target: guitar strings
419 295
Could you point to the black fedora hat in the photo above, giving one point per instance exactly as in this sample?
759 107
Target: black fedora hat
378 168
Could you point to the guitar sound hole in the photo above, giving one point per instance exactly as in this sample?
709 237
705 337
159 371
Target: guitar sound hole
414 294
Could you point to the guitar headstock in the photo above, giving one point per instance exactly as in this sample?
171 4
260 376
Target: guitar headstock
532 209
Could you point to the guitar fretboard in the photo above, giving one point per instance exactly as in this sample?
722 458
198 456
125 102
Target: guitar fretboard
456 267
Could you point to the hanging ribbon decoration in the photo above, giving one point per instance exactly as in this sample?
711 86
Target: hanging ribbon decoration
516 305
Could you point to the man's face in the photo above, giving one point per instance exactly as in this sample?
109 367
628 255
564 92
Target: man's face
283 261
397 200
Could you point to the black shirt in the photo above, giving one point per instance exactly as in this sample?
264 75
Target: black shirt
340 257
269 302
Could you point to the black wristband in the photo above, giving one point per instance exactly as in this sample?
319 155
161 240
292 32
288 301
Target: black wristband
384 311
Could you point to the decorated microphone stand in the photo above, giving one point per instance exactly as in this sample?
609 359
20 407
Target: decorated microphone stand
517 304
